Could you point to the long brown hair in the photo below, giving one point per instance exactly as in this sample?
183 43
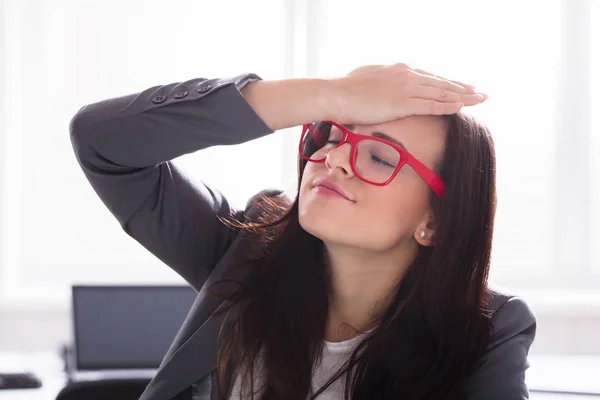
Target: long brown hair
430 339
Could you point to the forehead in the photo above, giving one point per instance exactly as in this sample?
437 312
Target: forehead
423 135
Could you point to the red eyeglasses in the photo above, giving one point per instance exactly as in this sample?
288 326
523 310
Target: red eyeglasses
372 159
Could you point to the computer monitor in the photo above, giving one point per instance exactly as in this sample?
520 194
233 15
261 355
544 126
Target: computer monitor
126 327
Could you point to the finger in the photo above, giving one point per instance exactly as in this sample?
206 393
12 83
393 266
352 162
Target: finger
432 107
437 81
447 96
436 93
459 83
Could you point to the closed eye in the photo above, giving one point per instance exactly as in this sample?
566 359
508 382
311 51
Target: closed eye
378 160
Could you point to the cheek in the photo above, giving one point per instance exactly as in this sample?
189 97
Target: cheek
382 217
386 217
391 214
308 176
305 197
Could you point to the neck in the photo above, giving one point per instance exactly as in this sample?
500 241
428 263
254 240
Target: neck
363 283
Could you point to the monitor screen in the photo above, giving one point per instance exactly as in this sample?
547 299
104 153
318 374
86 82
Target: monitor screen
124 327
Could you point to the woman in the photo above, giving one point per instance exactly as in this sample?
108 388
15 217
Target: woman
371 284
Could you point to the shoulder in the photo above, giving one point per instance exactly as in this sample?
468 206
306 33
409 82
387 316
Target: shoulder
501 373
269 193
510 315
272 201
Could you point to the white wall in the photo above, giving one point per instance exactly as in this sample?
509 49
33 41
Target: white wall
542 240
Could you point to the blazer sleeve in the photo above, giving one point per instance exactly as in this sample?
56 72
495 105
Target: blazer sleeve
502 373
125 146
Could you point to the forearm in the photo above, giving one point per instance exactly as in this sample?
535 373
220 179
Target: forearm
290 102
160 124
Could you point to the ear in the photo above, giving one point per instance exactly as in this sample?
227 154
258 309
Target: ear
425 232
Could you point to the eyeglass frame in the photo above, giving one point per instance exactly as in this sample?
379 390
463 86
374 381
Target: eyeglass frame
430 177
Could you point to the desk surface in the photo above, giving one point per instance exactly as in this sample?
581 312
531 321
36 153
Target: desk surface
47 366
569 374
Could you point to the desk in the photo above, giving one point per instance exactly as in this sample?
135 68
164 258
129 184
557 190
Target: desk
47 366
570 374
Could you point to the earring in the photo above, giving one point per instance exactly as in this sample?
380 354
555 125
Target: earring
422 234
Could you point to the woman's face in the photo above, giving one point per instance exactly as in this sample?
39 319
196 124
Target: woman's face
376 218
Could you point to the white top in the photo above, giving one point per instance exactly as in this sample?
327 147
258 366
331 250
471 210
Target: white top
334 356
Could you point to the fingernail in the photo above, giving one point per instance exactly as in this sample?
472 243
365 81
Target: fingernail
478 96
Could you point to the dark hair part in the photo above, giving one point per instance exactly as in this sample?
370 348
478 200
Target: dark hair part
427 343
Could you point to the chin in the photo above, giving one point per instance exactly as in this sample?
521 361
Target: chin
313 227
322 220
336 225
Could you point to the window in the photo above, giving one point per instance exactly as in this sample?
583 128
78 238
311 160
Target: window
493 46
595 133
63 54
60 55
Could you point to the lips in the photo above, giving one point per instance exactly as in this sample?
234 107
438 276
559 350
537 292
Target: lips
329 184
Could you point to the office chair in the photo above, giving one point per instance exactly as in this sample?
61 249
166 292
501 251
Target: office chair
113 389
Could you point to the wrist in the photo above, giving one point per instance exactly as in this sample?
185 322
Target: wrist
292 102
328 98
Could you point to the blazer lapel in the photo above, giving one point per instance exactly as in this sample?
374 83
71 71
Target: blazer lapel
190 362
186 363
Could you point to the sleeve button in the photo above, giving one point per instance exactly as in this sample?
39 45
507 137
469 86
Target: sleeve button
159 99
204 88
181 95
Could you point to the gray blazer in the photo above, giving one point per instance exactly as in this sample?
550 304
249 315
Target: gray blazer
124 146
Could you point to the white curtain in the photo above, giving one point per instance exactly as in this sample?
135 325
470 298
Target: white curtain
533 58
61 55
594 149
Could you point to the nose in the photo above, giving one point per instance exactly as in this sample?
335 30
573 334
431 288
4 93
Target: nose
338 160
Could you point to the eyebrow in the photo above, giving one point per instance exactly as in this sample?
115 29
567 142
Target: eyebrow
381 135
